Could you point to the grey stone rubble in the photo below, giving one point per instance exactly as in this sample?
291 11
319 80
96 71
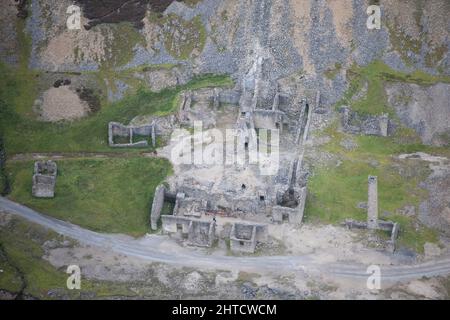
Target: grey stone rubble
373 223
44 179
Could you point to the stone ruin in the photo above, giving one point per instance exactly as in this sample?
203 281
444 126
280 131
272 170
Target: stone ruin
196 105
239 191
355 123
197 232
121 136
373 223
186 225
244 237
44 179
188 222
193 202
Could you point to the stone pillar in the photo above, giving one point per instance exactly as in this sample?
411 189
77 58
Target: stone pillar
384 124
158 202
372 210
216 101
153 135
276 102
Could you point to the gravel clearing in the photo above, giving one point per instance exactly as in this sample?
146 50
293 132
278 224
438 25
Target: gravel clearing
61 103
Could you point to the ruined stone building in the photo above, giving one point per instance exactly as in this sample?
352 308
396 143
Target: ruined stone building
44 179
241 190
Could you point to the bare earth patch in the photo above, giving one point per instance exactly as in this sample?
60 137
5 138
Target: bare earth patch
62 104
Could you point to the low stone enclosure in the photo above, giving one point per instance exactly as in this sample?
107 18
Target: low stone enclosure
196 105
354 123
121 136
373 223
44 179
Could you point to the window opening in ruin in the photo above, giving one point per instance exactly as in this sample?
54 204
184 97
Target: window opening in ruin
262 198
277 125
285 217
246 146
244 187
241 243
179 227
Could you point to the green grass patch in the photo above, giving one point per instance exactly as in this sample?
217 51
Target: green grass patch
334 192
107 195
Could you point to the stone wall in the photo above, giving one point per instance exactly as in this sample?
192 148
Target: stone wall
244 237
116 129
269 119
173 224
189 207
229 201
372 211
157 205
197 232
355 123
44 179
201 233
291 206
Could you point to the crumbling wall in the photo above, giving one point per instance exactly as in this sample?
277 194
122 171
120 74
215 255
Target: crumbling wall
116 129
197 232
355 123
269 119
244 237
229 200
157 205
189 207
372 211
173 224
201 233
291 206
44 179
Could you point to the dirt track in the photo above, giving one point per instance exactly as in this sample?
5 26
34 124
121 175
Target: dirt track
151 248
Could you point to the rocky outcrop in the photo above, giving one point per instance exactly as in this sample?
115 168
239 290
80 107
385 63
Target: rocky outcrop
426 109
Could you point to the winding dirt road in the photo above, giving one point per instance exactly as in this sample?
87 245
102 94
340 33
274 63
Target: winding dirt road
152 248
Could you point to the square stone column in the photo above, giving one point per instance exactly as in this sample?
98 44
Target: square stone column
372 210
